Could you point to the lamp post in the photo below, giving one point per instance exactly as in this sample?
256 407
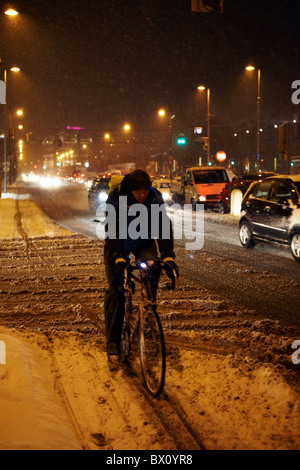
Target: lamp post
127 128
201 88
162 113
5 162
250 68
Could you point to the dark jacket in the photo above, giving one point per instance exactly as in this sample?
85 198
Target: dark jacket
123 245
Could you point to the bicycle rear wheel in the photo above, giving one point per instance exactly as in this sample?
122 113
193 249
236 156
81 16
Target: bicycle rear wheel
152 351
125 336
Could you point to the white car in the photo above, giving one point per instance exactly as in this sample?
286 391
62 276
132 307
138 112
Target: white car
164 186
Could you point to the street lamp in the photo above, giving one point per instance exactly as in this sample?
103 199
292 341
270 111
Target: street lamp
5 162
11 12
162 113
250 68
127 128
202 88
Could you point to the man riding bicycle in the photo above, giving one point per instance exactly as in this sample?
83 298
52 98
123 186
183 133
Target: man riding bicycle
135 189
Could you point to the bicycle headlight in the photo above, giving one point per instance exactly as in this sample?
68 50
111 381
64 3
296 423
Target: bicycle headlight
166 196
103 196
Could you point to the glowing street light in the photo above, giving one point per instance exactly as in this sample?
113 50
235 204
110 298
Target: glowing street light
162 113
202 88
250 68
11 12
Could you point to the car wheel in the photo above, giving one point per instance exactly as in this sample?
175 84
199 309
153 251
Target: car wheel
246 237
295 246
222 209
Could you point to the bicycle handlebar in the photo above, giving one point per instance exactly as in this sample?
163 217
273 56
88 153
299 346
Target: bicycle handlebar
150 263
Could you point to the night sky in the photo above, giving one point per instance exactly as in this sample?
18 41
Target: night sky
97 63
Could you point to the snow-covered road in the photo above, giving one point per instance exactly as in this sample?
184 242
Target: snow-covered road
265 279
231 382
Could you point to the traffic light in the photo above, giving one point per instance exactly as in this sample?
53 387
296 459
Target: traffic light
181 140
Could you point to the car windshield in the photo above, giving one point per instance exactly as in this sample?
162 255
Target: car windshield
210 176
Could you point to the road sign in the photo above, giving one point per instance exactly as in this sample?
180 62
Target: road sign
221 156
198 130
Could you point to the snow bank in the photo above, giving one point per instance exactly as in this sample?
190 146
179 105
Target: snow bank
31 417
30 414
17 211
15 196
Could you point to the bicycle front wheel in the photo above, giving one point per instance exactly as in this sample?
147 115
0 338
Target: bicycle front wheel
152 351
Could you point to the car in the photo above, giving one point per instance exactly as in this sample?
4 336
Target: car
242 183
98 192
270 212
164 186
202 185
78 176
89 180
224 203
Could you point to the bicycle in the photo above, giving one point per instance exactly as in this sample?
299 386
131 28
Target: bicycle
147 323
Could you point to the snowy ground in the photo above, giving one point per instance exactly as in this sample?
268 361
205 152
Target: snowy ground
231 382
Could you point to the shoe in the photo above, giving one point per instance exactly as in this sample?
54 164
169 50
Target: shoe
113 353
114 359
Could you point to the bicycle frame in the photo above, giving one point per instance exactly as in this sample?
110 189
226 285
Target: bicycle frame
129 290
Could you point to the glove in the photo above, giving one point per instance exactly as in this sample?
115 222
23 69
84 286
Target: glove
120 265
170 267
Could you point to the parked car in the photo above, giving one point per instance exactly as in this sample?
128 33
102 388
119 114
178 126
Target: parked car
242 183
271 212
98 192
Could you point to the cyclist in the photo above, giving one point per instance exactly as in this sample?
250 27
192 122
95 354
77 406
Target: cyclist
137 188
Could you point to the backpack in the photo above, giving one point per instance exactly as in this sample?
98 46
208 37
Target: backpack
115 182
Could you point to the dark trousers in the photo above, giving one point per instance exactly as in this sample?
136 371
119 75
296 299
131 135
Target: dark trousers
114 299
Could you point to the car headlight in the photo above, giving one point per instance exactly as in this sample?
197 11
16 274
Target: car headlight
166 196
202 198
103 196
